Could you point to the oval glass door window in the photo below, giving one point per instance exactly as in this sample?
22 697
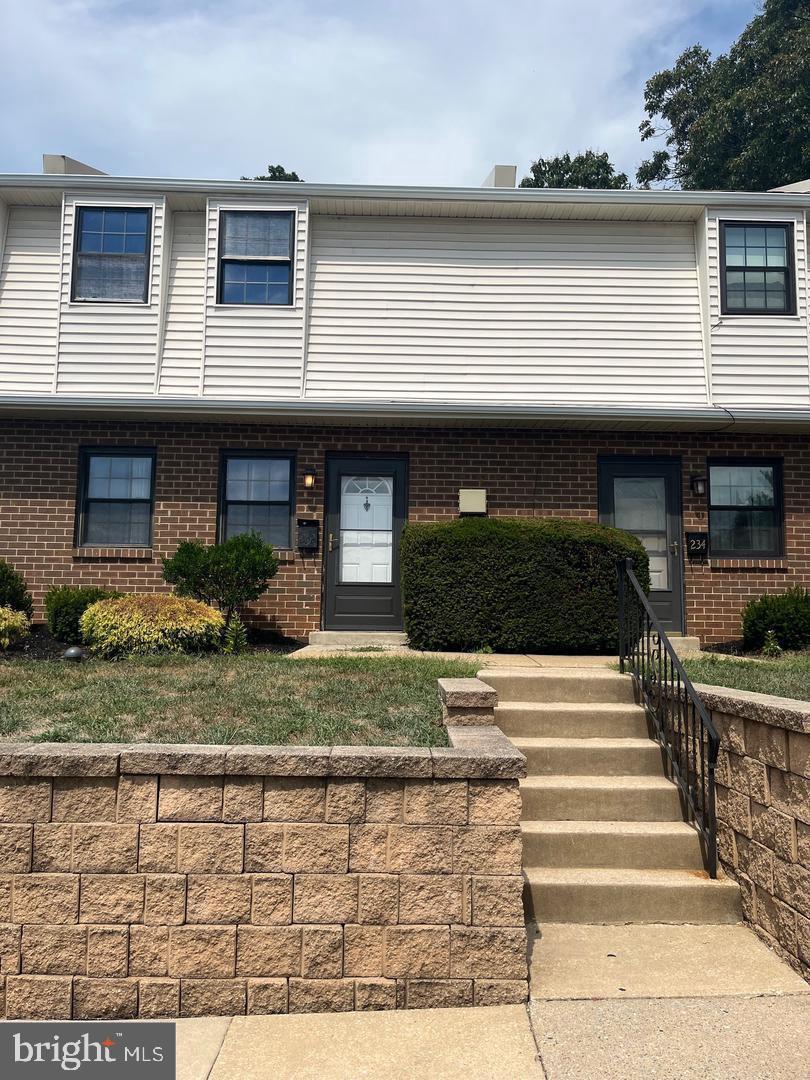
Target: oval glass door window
366 529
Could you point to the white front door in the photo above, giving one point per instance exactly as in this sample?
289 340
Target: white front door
366 529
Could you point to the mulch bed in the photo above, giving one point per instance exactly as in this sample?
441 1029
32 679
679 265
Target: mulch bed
41 645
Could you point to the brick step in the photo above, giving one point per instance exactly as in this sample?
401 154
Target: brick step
571 720
603 757
640 845
559 684
600 798
586 895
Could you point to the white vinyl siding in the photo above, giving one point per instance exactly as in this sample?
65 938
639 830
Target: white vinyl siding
109 348
759 360
185 306
532 311
29 298
254 352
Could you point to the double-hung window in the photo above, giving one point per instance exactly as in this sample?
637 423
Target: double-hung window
256 257
111 254
256 495
745 508
116 494
757 268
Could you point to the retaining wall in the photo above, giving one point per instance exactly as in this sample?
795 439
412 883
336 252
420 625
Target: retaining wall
763 813
161 881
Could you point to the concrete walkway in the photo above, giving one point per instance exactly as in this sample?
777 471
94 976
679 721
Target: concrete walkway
318 652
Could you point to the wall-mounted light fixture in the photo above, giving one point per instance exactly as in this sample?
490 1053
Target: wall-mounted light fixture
698 485
309 480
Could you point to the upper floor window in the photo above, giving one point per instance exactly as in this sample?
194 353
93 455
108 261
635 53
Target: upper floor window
757 269
256 495
111 257
256 257
116 491
745 507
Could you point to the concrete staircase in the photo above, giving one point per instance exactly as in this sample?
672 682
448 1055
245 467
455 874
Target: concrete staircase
604 836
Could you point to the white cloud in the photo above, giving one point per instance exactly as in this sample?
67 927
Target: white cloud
416 92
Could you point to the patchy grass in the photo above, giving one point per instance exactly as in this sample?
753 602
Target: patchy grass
789 676
255 698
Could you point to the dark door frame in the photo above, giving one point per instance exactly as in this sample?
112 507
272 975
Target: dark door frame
648 464
330 577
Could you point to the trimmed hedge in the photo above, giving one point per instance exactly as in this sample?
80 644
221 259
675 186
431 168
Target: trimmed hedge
150 623
787 614
65 605
515 585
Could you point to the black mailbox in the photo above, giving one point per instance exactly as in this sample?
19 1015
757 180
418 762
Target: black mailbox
308 534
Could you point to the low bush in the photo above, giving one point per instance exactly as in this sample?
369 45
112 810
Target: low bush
229 575
150 623
13 593
14 627
786 614
515 585
65 605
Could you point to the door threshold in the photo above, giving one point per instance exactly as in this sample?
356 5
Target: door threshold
358 639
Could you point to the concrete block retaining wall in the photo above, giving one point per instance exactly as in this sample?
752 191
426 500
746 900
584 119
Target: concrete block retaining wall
159 881
763 813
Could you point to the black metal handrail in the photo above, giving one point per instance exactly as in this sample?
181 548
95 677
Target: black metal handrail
679 721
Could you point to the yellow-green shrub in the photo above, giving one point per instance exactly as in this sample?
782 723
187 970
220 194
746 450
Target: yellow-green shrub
150 623
14 627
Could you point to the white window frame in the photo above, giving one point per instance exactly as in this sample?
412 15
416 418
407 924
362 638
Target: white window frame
261 208
100 204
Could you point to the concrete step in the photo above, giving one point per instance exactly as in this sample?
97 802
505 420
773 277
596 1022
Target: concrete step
578 895
559 684
571 720
600 798
636 845
579 757
358 639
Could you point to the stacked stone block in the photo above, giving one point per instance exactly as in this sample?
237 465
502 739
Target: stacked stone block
763 813
165 881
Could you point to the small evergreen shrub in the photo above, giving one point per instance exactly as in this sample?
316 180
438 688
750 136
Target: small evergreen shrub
14 627
235 637
786 614
13 593
228 575
150 623
515 585
65 605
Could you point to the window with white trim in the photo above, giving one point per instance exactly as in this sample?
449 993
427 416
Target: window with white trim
256 257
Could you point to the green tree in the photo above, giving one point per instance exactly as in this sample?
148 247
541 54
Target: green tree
741 121
588 170
275 172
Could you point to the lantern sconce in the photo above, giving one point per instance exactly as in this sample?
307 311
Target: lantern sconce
698 484
309 481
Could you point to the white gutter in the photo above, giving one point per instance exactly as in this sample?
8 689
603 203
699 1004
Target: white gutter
451 194
415 411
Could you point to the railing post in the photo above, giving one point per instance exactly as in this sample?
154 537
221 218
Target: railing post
620 567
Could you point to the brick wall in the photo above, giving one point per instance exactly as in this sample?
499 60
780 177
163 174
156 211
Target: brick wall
190 881
763 814
527 473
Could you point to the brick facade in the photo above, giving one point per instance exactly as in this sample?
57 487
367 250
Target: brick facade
194 881
528 473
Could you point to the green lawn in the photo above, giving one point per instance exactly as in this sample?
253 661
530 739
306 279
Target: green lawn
789 676
254 698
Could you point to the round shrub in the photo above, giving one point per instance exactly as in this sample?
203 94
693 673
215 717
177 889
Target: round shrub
14 627
515 585
786 614
150 623
13 593
66 604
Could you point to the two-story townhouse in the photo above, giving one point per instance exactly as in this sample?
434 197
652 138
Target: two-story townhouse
186 358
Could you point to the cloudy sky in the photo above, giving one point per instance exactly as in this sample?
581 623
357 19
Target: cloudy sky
366 91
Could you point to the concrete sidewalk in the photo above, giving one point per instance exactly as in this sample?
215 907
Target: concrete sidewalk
721 1038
